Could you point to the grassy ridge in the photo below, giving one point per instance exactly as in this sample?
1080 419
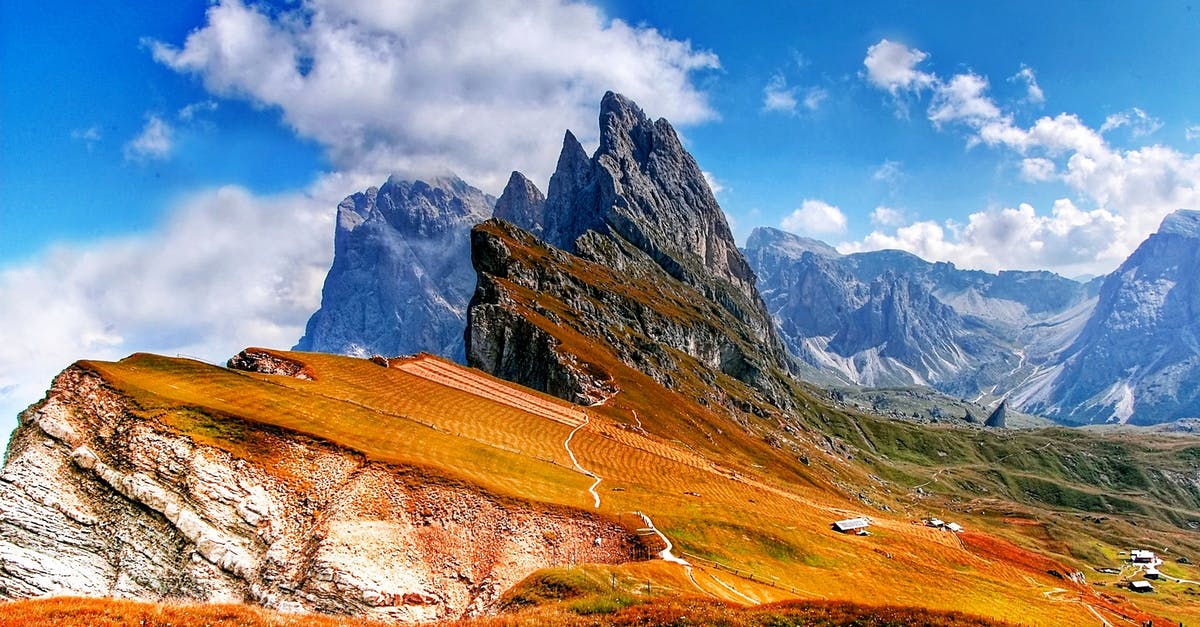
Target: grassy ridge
749 521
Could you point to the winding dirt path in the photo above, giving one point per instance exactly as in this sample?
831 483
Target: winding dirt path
666 553
567 445
730 588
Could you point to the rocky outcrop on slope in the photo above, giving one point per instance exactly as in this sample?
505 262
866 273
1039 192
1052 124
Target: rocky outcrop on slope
999 416
1138 357
96 499
401 274
639 206
267 362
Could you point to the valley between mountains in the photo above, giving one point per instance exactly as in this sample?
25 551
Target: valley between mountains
613 415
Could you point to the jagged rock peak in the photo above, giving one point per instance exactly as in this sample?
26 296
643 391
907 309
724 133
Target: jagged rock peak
569 211
625 128
1185 222
787 244
643 186
522 203
641 206
401 275
999 417
421 207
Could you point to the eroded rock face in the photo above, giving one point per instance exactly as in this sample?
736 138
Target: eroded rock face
401 275
522 203
1137 359
95 500
639 206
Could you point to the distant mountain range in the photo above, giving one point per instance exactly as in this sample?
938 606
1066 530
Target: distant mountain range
1120 348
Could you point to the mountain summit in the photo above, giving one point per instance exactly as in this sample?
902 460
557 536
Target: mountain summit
401 278
1138 357
640 207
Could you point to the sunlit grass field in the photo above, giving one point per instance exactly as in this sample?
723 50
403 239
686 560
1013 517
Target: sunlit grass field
751 534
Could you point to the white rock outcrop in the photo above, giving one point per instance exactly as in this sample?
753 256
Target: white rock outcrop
96 499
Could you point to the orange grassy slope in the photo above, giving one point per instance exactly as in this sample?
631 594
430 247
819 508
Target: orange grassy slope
751 531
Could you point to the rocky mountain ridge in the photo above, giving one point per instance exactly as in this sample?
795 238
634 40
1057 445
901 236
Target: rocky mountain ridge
640 207
401 275
888 318
1119 348
1137 359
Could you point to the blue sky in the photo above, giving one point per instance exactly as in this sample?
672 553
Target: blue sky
168 174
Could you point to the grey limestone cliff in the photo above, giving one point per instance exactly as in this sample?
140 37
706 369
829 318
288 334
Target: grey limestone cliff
522 203
401 274
640 206
1138 357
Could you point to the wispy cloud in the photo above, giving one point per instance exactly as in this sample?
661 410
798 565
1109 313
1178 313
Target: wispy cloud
190 111
814 96
713 183
154 142
1139 122
889 172
778 97
1033 91
90 136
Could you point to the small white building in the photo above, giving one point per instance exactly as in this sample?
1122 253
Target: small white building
1139 556
955 527
1141 586
1151 572
852 525
935 522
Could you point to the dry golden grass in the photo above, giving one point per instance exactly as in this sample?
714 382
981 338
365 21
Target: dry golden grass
88 612
750 522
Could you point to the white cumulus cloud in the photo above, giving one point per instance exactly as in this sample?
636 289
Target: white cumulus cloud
963 99
413 88
887 216
815 217
226 270
1129 190
1069 240
1038 169
893 66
